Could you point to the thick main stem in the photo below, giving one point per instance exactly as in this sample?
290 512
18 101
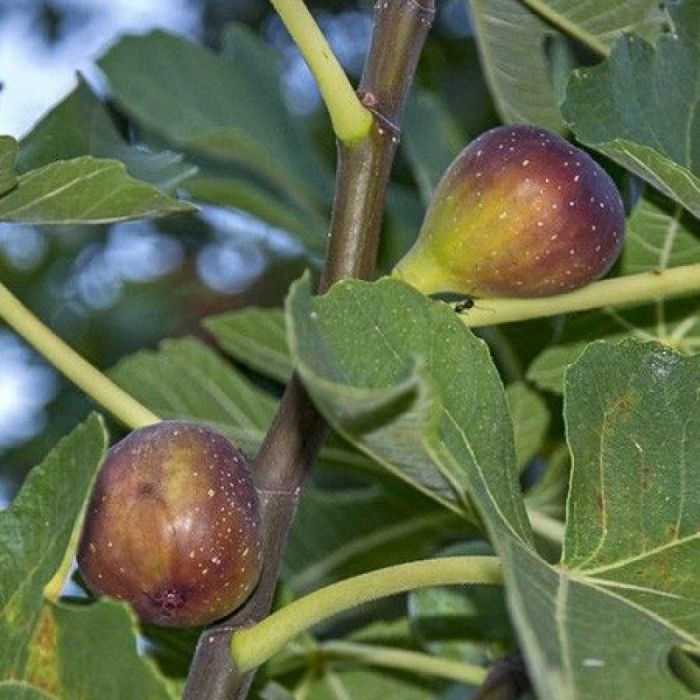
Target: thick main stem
297 432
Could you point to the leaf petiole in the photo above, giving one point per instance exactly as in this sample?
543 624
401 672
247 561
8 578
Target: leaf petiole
73 366
351 121
253 646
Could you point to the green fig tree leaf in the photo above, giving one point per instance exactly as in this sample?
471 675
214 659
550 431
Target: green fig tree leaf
84 190
229 106
659 235
18 690
431 140
128 673
225 399
632 426
80 125
256 337
390 370
8 154
649 96
53 650
599 22
513 38
34 534
629 567
511 41
67 656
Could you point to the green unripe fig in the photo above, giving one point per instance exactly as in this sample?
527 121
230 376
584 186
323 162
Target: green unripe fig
520 212
173 525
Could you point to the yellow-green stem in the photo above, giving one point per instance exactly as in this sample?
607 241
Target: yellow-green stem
351 121
630 289
404 660
94 383
253 646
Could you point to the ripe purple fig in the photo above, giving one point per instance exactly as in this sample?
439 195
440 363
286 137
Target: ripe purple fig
520 212
173 525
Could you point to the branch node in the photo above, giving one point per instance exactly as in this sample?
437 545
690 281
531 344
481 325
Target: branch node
383 123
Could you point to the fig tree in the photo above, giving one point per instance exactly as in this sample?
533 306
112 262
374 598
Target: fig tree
520 212
173 525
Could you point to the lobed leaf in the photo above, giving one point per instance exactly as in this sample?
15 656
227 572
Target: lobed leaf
80 125
522 42
649 96
391 371
228 106
629 568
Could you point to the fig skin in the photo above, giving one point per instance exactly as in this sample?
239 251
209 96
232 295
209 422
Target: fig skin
173 525
520 212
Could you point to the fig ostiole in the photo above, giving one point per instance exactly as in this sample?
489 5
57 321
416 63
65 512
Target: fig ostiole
173 525
520 212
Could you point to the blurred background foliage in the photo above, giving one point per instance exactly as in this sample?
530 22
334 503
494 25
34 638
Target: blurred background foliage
109 290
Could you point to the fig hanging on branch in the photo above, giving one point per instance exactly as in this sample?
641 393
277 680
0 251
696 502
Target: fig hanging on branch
520 212
173 525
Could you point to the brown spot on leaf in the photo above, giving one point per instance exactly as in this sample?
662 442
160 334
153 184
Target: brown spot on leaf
42 665
619 408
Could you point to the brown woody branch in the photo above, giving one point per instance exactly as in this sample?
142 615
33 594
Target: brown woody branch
290 446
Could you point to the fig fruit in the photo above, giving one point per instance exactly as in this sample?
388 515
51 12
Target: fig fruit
173 525
520 212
